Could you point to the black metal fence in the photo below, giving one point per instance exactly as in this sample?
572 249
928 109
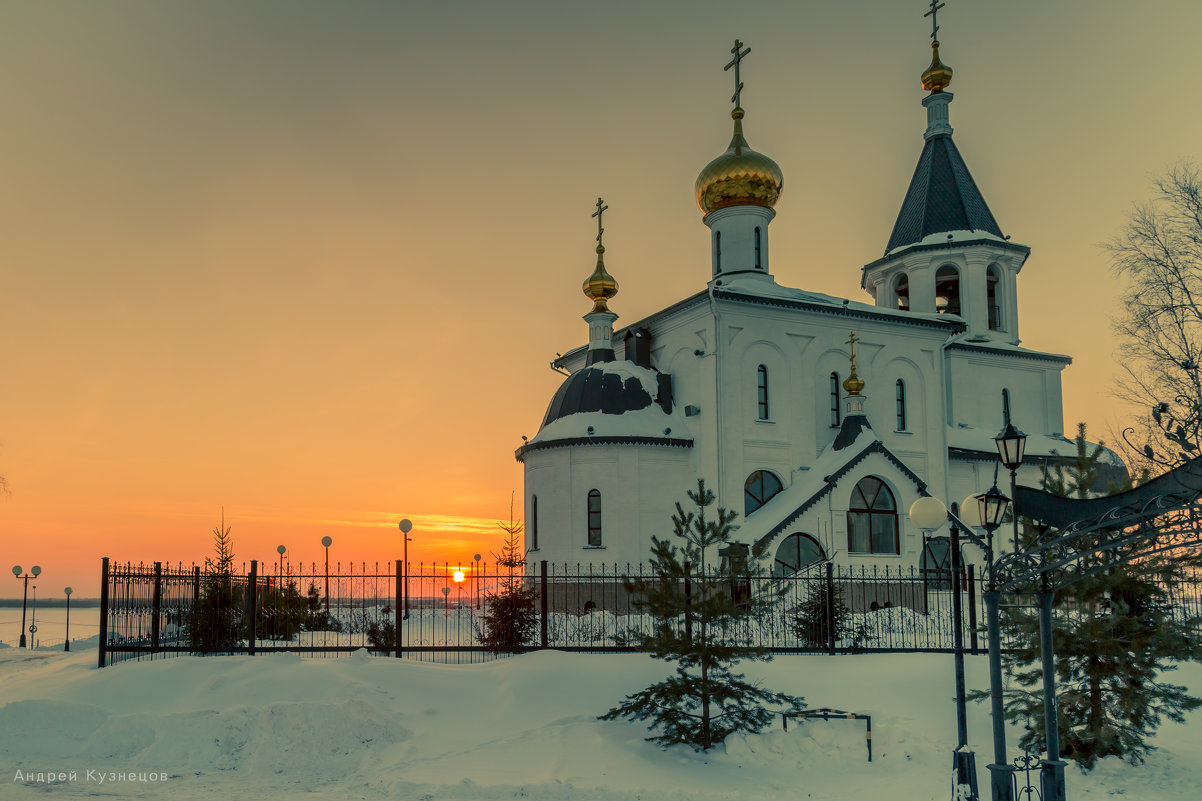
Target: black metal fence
437 612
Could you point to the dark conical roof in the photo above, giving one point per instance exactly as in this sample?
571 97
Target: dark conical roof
942 197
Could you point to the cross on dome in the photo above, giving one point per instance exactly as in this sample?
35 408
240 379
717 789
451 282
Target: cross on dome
933 14
739 53
600 209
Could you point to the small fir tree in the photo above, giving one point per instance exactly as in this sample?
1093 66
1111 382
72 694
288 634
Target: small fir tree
813 617
698 627
215 620
1114 634
510 617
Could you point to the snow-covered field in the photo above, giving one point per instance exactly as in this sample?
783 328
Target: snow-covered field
279 726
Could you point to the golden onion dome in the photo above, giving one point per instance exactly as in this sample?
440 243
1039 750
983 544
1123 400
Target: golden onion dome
600 286
740 176
853 383
938 76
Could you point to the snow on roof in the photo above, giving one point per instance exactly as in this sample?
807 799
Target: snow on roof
649 421
807 483
944 237
981 440
763 287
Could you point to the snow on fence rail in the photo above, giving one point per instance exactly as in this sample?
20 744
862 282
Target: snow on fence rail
437 612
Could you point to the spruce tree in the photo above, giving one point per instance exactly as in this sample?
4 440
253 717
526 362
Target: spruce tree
699 625
1114 634
510 616
215 621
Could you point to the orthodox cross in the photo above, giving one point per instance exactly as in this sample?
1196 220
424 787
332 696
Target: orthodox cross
739 52
852 340
933 14
597 214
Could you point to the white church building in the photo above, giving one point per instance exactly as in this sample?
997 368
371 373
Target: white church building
819 419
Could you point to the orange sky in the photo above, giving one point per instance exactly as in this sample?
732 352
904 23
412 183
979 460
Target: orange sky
309 260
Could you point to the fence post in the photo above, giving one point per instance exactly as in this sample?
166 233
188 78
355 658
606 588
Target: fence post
104 612
156 605
542 591
688 603
972 608
252 602
401 599
830 608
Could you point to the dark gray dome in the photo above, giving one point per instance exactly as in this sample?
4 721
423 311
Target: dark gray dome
609 388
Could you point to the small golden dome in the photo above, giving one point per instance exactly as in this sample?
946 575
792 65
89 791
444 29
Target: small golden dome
740 176
600 286
938 76
852 383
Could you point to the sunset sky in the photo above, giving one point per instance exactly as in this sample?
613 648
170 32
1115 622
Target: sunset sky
309 260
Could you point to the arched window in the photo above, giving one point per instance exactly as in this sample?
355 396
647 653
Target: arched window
872 518
902 290
835 414
757 248
594 518
1005 407
936 564
796 552
534 522
761 377
901 405
947 290
992 279
718 251
760 487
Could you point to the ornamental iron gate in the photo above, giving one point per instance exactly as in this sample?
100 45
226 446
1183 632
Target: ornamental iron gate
1162 515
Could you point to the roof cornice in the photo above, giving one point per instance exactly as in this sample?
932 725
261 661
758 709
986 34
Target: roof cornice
954 326
1020 353
567 442
1004 245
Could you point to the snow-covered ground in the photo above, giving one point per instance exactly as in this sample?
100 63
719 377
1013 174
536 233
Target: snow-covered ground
279 726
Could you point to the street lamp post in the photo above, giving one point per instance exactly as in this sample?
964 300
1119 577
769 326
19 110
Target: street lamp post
1011 443
67 643
281 550
33 618
34 572
405 527
476 574
992 506
326 543
929 514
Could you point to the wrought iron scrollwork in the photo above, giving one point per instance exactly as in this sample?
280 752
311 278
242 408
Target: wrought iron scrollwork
1027 788
1163 515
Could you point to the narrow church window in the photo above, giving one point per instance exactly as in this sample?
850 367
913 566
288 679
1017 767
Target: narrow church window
759 488
718 251
991 299
947 290
1005 407
901 405
594 518
835 418
796 552
534 522
902 291
761 374
757 248
872 519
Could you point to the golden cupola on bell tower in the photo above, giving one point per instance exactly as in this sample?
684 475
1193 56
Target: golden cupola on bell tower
738 192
